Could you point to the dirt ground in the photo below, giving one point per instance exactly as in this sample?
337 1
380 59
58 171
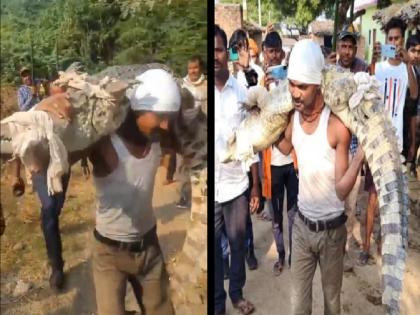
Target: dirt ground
361 290
23 255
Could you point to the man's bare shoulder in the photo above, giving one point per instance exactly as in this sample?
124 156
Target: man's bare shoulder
336 127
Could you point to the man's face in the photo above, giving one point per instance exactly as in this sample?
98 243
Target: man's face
414 54
149 122
26 78
396 38
220 56
346 50
273 55
194 71
303 95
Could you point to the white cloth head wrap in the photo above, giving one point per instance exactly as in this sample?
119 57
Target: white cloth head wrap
306 62
158 92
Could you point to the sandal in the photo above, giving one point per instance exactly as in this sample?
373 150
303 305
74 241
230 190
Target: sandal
277 268
244 306
363 258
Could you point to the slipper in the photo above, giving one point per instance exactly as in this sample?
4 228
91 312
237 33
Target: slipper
363 258
278 268
244 306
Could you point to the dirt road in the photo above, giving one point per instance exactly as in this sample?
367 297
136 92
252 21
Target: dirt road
27 262
361 288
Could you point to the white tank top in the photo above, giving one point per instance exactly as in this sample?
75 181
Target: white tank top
124 211
317 199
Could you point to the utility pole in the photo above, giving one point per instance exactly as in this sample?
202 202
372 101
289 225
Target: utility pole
259 12
245 10
334 43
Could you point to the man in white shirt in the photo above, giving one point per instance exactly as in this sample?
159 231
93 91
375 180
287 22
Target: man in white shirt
280 174
231 184
396 76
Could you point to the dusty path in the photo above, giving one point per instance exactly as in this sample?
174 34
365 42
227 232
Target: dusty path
271 295
28 264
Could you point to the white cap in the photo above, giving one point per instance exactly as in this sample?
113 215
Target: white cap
158 92
306 62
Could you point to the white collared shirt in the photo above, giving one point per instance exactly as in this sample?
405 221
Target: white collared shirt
231 179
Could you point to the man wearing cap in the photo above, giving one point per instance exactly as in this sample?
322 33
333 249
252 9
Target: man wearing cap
26 94
126 249
346 51
321 142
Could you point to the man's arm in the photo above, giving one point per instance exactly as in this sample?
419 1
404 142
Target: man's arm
412 82
345 174
284 144
18 186
255 188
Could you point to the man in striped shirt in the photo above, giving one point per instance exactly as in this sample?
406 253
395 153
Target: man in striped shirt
396 76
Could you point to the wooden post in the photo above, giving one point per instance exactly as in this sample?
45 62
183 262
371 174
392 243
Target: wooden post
334 43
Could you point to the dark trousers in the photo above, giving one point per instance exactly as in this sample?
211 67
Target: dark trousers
232 216
283 177
249 238
171 166
50 211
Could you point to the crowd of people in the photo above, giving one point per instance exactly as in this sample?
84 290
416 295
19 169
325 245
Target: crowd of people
316 146
124 164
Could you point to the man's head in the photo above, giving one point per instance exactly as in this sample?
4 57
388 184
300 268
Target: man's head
154 100
347 48
305 73
395 30
220 52
413 49
239 40
195 68
273 52
25 75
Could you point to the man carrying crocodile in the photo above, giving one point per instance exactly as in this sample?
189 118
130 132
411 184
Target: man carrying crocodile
321 142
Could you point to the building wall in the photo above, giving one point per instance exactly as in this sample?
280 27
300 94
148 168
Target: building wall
368 25
229 17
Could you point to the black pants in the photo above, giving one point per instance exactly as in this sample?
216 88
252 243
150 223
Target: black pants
283 177
50 212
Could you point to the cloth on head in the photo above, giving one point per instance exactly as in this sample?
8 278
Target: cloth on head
306 62
157 91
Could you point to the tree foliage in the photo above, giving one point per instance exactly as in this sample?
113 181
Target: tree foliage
99 33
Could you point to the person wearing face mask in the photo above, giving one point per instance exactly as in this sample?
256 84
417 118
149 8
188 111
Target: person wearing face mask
397 78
